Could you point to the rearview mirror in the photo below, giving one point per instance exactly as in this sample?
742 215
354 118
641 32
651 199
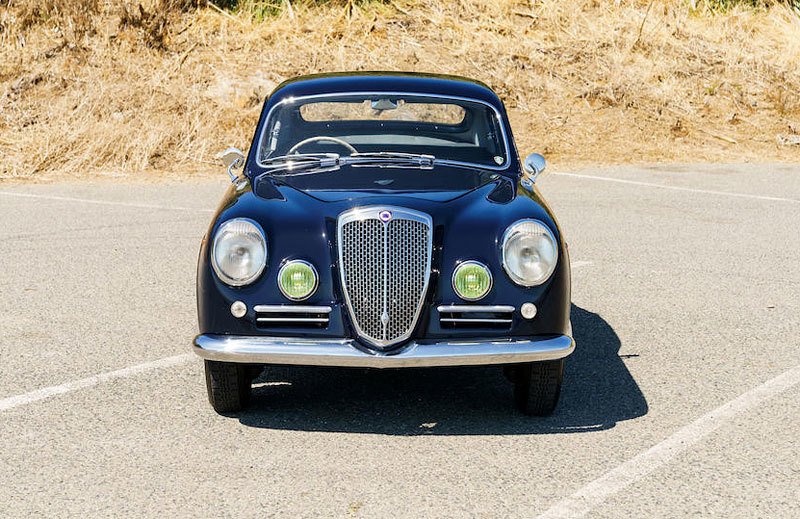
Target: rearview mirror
232 158
534 165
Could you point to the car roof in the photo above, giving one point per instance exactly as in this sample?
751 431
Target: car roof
417 83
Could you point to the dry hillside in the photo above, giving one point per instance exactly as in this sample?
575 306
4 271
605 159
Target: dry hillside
158 86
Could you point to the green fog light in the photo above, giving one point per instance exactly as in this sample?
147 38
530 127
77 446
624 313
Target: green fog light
472 280
297 280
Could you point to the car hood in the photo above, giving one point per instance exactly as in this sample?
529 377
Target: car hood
289 214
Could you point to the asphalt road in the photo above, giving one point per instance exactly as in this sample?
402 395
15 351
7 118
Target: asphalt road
686 290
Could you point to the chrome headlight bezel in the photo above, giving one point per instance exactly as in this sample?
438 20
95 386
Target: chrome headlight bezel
221 274
510 233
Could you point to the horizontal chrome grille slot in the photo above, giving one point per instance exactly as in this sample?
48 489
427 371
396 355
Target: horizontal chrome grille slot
385 261
472 320
292 319
287 309
476 316
475 308
291 316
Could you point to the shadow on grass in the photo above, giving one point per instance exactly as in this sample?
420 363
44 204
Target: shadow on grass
598 392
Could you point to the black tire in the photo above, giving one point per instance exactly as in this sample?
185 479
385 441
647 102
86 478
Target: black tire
537 386
229 385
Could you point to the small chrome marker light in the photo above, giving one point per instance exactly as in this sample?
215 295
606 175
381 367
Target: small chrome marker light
238 309
528 310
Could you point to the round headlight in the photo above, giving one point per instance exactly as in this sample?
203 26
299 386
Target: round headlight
297 280
530 252
472 280
239 252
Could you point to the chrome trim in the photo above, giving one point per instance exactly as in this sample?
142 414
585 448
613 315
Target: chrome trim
221 275
293 309
498 116
471 262
474 320
232 158
370 213
506 235
344 352
316 280
292 319
534 165
474 308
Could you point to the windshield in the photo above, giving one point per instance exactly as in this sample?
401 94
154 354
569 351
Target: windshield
454 131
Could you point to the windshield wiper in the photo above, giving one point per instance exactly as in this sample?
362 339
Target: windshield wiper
302 164
390 159
310 163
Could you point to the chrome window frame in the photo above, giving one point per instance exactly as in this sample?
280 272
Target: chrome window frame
371 213
498 117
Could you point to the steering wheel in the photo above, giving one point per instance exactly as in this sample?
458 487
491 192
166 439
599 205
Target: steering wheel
320 138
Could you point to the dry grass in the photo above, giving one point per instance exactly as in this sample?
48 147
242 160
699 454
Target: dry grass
125 87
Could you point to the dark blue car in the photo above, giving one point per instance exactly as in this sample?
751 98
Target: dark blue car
384 220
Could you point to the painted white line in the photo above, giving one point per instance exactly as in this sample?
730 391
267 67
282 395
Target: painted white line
679 188
107 202
94 380
593 494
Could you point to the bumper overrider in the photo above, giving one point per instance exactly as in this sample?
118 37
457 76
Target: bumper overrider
348 353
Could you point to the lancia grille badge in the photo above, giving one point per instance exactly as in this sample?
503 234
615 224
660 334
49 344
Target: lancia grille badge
385 216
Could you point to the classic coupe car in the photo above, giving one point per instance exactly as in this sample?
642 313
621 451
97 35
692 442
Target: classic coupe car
383 220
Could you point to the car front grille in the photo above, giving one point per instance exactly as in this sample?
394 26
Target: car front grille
385 260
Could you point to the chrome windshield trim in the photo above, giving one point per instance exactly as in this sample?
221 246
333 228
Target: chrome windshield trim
474 308
293 309
345 352
498 117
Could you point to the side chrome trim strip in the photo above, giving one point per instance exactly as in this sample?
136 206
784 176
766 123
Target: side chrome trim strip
344 352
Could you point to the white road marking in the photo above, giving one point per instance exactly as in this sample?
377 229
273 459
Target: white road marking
593 494
581 263
107 202
94 380
679 188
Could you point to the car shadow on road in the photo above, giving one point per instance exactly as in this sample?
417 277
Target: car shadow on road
598 392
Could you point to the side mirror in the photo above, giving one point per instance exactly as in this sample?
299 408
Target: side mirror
534 164
232 158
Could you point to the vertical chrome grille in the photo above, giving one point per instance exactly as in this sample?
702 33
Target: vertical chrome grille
384 267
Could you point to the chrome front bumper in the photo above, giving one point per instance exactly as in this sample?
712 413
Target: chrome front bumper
345 352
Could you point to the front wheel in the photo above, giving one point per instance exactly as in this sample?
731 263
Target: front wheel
537 386
229 385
